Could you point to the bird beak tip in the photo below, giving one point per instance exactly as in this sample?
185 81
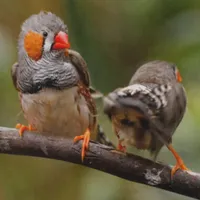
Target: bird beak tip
61 41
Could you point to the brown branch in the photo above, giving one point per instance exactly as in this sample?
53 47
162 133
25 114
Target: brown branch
103 158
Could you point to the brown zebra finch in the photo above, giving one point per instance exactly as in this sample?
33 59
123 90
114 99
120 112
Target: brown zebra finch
146 113
53 82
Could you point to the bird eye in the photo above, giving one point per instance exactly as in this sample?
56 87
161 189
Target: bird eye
45 34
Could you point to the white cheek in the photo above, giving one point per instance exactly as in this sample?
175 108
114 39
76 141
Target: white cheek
47 45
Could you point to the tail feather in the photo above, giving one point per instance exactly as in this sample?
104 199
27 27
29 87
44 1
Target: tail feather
102 138
95 93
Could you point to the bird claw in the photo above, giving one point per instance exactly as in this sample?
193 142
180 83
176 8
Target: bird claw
179 162
179 165
121 148
23 128
86 138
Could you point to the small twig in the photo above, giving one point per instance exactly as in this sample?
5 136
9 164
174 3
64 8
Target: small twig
103 158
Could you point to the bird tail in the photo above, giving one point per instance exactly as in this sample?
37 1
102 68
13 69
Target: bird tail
102 138
96 94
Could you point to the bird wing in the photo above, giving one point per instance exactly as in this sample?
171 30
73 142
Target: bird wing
96 94
80 65
137 96
153 97
14 74
157 104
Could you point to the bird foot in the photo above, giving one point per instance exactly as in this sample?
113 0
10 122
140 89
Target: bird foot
179 165
179 162
86 138
23 128
121 148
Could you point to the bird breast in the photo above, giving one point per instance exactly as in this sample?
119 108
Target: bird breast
61 112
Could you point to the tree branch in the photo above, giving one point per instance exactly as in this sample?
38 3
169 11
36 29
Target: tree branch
103 158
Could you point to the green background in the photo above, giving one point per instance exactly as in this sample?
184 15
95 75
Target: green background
114 37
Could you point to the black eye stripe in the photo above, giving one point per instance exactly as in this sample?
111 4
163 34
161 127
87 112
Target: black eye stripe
45 34
174 68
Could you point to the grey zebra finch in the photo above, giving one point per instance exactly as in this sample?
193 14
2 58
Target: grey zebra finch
53 82
146 113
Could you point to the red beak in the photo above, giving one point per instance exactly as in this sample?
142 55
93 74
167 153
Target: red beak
61 41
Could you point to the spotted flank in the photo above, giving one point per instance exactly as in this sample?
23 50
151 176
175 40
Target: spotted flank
156 95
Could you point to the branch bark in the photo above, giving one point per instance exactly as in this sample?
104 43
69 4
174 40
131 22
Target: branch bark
103 158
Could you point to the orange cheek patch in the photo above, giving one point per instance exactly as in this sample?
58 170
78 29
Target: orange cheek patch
33 45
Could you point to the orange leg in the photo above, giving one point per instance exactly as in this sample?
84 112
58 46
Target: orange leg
23 128
179 162
86 139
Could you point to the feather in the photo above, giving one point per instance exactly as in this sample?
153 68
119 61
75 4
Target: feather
80 65
14 74
155 105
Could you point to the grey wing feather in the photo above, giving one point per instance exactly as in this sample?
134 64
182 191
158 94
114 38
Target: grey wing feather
162 105
14 74
80 65
176 105
137 96
102 138
95 93
164 125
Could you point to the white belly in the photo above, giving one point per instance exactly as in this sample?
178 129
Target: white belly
63 113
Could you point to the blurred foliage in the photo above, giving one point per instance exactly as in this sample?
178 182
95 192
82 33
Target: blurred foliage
115 37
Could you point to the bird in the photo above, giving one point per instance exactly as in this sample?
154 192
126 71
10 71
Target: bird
53 82
146 113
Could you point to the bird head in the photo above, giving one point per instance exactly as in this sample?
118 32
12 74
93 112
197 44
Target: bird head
43 54
43 34
158 72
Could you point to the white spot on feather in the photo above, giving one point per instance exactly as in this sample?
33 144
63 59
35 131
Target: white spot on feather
157 94
133 89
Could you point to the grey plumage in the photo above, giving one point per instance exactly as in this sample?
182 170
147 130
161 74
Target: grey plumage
148 111
81 66
44 21
53 80
33 75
